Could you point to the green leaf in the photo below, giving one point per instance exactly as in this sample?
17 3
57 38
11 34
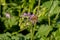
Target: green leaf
56 34
43 30
58 25
47 4
5 36
28 36
53 8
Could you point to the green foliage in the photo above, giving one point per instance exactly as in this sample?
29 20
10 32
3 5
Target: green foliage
14 25
44 30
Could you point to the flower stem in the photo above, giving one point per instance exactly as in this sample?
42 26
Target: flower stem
32 33
39 4
49 20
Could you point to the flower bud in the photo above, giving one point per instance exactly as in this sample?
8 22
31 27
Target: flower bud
7 15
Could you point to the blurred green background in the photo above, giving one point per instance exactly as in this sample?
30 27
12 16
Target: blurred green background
15 27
